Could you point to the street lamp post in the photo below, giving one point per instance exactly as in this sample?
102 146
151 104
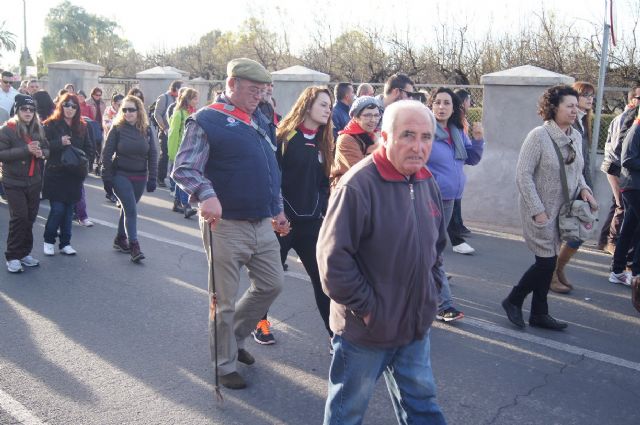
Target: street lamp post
25 57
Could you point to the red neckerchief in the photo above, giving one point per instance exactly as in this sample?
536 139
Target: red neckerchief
389 172
27 140
229 109
353 128
191 110
305 130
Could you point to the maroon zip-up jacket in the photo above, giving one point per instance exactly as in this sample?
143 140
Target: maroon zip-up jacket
377 251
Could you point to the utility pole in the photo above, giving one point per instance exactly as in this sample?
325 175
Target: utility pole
25 57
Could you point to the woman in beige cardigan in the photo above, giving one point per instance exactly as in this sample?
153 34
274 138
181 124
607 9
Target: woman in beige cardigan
538 181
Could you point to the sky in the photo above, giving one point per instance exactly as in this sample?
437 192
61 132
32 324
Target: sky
158 25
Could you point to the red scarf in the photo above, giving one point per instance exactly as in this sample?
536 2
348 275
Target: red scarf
353 128
305 130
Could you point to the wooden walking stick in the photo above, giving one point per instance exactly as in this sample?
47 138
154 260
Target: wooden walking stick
213 302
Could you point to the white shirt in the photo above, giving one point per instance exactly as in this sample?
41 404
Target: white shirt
7 99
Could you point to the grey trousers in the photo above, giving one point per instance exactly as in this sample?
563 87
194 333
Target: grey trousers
236 244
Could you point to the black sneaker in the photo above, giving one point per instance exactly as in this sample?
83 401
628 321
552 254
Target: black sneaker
262 334
449 315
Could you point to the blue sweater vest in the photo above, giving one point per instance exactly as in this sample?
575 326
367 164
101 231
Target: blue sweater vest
242 165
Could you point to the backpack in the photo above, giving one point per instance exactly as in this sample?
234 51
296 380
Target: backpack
152 110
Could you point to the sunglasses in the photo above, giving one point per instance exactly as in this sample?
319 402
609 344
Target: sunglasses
572 154
6 82
70 105
27 109
125 110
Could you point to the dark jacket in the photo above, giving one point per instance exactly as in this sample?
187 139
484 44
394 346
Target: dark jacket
305 186
340 117
16 159
59 184
586 148
378 249
242 164
630 159
135 153
618 129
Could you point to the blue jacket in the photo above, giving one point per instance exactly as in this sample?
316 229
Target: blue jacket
242 165
448 170
340 117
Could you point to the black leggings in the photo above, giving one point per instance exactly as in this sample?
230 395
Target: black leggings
303 238
536 279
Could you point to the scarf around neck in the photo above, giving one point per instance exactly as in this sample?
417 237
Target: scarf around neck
353 128
456 136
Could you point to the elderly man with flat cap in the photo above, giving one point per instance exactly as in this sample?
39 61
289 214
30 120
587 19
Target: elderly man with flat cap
227 164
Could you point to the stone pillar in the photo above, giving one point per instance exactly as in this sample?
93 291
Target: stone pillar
155 81
509 112
202 87
83 75
290 82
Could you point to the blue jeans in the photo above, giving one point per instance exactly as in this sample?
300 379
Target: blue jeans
181 196
60 217
128 191
444 299
407 371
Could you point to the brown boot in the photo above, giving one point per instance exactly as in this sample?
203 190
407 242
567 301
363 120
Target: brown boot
557 286
566 252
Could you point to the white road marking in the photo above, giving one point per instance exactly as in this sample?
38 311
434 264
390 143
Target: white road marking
484 325
17 411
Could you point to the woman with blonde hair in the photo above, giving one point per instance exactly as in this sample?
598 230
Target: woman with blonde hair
185 106
130 162
23 148
305 155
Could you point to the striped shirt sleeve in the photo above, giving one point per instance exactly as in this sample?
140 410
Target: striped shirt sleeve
188 169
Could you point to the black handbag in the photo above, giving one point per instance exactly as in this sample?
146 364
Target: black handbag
74 161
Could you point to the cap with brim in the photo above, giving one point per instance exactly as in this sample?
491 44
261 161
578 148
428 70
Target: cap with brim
248 69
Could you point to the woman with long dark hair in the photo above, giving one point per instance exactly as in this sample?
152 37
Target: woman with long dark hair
305 155
130 162
62 187
23 148
541 197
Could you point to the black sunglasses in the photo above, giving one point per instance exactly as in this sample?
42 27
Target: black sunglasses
27 109
6 82
572 154
69 105
125 110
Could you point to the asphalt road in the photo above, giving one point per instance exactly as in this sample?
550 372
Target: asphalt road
96 339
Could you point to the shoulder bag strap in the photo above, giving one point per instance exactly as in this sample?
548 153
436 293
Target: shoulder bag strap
563 172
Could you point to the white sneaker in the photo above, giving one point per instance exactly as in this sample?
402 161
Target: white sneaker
623 278
49 249
29 261
14 266
464 248
86 222
68 250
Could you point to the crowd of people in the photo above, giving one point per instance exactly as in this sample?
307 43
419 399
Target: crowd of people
325 180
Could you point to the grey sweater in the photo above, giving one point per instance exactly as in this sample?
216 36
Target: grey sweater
135 153
538 181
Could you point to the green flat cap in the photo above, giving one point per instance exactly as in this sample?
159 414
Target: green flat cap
249 70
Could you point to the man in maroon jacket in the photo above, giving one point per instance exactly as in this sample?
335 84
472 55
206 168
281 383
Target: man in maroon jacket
379 246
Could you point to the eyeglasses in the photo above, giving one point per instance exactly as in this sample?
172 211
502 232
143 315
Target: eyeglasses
6 82
69 105
588 96
125 110
572 154
27 109
370 116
